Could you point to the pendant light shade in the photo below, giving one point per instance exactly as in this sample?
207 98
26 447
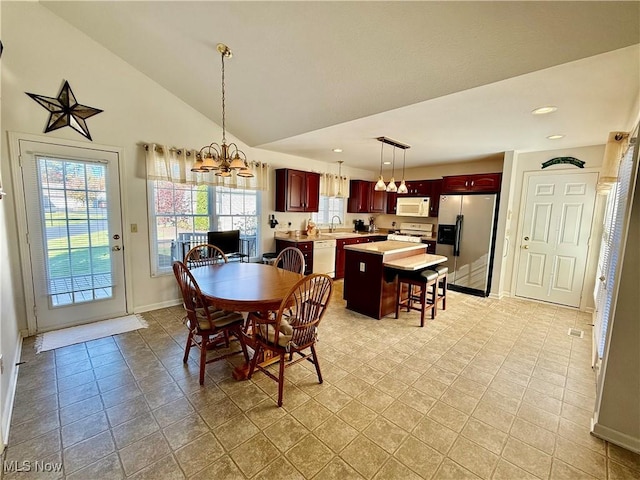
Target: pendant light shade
380 186
403 187
391 187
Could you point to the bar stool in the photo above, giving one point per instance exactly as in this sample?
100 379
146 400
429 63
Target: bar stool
441 287
426 282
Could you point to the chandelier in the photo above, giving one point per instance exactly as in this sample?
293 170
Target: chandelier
391 186
222 158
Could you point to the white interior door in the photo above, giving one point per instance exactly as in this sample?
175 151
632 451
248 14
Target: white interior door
72 203
555 237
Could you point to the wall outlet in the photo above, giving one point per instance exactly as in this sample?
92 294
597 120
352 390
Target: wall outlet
134 228
362 266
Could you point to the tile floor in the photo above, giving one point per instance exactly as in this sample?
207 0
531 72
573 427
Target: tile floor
490 389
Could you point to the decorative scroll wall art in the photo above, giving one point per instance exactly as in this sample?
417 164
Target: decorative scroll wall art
560 160
65 111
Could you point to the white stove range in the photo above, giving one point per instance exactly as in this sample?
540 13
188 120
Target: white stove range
413 232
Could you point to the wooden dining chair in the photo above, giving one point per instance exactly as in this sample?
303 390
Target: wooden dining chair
292 259
294 328
213 326
204 254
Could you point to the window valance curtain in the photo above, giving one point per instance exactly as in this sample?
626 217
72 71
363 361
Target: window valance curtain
332 185
174 165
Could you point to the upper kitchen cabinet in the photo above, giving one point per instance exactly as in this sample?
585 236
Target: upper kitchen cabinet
392 201
483 182
297 191
364 198
434 197
418 188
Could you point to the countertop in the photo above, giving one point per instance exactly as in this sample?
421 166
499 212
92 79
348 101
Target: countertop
415 262
386 247
327 236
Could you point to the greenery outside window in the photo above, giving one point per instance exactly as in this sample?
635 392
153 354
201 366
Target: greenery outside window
181 214
328 207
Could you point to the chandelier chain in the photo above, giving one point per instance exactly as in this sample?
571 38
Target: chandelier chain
224 130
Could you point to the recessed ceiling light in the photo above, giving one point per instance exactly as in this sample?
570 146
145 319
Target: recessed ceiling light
337 150
555 137
387 163
544 110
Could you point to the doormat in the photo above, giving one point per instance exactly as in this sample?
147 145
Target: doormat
91 331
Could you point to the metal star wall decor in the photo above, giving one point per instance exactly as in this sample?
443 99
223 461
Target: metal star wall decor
66 111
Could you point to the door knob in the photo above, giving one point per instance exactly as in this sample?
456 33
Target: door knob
526 247
116 248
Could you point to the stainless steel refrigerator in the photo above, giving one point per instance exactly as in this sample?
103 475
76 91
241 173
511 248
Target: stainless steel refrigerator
466 233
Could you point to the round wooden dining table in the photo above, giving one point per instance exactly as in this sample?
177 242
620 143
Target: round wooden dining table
245 287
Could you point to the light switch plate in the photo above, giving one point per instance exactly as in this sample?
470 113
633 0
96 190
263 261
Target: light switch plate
134 228
362 266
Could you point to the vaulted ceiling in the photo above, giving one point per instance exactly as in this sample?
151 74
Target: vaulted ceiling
455 80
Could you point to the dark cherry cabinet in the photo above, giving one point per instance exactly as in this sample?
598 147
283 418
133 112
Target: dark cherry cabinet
340 255
364 198
434 198
418 188
483 182
431 246
392 200
358 201
340 243
305 247
297 191
377 200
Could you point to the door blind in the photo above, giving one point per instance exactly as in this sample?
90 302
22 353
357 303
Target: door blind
611 246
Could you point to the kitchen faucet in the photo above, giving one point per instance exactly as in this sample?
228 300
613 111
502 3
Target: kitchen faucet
340 222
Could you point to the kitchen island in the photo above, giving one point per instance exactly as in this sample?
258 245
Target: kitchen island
370 280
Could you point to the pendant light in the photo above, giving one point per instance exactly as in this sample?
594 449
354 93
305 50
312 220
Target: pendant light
222 158
391 187
380 186
403 188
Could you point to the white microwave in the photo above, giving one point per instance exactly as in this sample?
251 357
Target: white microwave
412 206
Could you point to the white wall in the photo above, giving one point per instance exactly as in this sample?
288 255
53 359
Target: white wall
491 164
531 162
136 111
9 334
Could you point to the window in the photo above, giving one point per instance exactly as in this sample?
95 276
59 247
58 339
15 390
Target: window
613 231
328 207
182 214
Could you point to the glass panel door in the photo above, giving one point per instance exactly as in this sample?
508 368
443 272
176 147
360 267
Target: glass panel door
73 217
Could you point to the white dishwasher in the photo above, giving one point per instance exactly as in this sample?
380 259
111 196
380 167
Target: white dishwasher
324 257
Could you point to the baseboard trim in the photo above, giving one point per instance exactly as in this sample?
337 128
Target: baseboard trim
610 435
11 394
156 306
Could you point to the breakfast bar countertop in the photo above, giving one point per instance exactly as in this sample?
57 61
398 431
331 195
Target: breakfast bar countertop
415 262
386 247
326 236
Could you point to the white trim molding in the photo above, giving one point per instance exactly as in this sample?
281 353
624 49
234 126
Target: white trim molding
618 438
11 394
